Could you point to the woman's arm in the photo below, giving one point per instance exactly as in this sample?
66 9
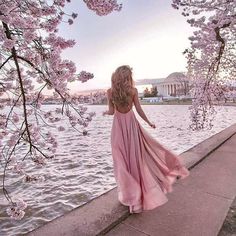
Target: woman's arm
110 104
140 110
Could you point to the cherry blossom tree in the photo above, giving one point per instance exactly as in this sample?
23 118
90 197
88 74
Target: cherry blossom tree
30 67
212 56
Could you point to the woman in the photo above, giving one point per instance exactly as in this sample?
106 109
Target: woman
144 169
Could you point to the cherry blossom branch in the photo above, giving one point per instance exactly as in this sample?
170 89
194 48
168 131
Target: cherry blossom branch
3 64
31 49
49 82
14 54
211 57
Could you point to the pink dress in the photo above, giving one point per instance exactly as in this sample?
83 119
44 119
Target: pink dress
144 169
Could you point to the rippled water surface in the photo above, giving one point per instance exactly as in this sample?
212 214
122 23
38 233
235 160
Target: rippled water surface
82 168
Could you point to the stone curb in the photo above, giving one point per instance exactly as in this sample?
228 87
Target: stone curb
199 152
99 215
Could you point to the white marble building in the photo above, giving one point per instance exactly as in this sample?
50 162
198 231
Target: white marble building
176 84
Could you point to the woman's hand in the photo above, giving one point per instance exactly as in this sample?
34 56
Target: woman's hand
104 113
108 113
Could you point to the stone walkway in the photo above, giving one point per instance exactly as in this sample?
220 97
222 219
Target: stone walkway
197 206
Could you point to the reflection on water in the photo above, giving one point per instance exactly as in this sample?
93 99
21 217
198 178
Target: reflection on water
82 168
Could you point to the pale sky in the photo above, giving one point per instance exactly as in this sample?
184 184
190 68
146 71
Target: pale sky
148 35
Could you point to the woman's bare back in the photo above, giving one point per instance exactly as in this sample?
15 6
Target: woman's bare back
128 107
124 109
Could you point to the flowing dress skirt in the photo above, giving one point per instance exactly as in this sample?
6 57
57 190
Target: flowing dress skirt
144 169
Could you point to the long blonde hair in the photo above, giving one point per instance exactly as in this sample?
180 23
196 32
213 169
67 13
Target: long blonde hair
122 84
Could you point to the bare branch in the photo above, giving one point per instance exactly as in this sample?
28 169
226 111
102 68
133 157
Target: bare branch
10 57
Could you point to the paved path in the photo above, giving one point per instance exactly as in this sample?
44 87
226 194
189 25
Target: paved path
197 206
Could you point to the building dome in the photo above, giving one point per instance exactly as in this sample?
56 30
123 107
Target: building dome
173 77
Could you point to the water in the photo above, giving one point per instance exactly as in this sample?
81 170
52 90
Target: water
82 168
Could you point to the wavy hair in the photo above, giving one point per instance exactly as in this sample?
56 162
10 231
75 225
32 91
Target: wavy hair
122 84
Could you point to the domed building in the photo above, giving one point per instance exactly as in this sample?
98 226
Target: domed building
175 84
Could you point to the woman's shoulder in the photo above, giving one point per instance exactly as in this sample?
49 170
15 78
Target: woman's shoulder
134 90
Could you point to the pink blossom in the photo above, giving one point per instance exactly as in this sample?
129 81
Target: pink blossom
84 76
8 44
12 141
39 160
92 114
61 128
19 167
15 118
74 15
33 178
15 213
85 132
58 110
48 114
103 7
80 121
85 124
70 21
21 204
89 118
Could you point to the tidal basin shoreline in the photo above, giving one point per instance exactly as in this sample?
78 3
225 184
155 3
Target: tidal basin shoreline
172 102
105 215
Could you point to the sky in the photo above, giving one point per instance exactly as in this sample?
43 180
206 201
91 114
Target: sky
148 35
